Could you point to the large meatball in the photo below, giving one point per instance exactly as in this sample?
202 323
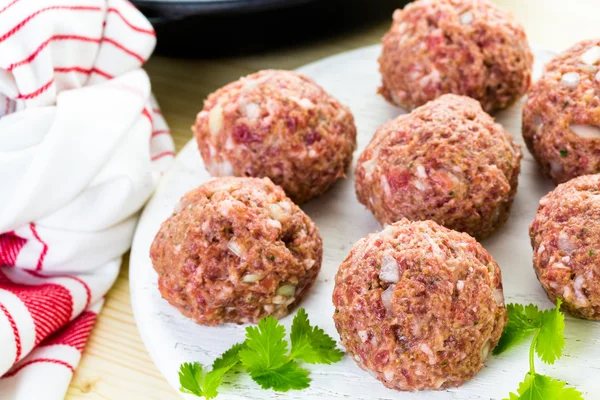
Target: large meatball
419 306
447 161
565 236
466 47
561 119
281 125
236 250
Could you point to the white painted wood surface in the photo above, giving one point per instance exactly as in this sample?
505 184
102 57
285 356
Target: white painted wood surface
353 78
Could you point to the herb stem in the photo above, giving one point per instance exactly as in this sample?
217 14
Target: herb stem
532 351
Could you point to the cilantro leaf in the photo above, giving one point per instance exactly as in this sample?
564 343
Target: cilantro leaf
522 322
536 387
264 356
221 366
190 376
229 358
312 344
264 346
551 339
283 378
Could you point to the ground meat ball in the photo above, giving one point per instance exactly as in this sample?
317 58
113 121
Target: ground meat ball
466 47
561 119
565 236
447 161
281 125
236 250
419 306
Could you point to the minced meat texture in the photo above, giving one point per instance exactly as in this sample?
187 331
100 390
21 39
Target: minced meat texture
447 161
561 119
565 236
281 125
419 306
466 47
236 250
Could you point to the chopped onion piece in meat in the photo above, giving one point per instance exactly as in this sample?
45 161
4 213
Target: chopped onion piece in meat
215 120
285 300
236 248
251 278
287 290
386 297
565 243
389 269
591 56
466 18
570 79
485 350
363 335
499 297
586 131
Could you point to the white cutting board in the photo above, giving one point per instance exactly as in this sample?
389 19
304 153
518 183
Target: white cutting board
353 78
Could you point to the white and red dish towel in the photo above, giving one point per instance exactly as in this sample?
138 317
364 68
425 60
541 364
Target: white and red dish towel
82 146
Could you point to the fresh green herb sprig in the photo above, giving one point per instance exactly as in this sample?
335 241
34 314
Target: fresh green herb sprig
264 356
548 342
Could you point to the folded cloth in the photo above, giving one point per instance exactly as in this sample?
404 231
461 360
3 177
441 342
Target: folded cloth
82 146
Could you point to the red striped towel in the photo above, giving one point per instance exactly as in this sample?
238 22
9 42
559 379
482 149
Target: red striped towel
82 146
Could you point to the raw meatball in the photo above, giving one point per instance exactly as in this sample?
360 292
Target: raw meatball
447 161
236 250
466 47
281 125
561 119
565 236
419 306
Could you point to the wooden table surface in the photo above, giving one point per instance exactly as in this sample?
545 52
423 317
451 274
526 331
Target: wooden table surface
115 364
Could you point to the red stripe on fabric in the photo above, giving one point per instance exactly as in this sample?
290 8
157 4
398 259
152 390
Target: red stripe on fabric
129 24
42 10
15 330
75 334
6 7
3 278
125 49
161 132
40 262
10 246
163 154
36 93
41 47
156 111
146 113
36 361
81 70
88 291
50 305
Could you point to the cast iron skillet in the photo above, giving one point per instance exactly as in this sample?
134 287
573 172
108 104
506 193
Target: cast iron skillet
218 28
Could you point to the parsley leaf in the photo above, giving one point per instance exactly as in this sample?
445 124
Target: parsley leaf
522 322
190 376
265 347
312 344
264 355
265 358
283 378
548 342
536 387
551 339
221 365
563 153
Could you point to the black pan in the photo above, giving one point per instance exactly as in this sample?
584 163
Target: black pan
211 28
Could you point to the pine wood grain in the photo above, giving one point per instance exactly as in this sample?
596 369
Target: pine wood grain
115 364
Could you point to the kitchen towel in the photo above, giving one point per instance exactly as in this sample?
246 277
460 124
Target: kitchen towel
82 146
